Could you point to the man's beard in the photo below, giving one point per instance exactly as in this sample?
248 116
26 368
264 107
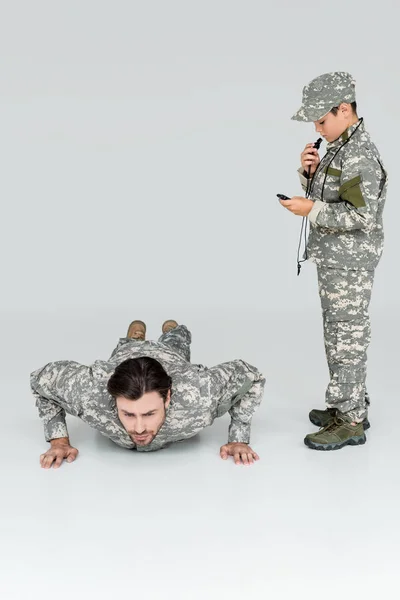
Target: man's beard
150 435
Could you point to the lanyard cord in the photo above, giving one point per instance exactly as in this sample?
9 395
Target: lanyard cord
304 228
310 187
304 220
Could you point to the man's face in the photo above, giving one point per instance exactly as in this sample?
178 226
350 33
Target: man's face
143 418
332 126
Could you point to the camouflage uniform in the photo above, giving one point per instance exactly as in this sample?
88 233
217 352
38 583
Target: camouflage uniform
199 395
345 241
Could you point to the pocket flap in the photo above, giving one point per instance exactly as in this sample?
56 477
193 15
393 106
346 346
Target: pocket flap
332 171
351 192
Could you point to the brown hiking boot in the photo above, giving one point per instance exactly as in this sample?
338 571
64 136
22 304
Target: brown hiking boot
137 330
168 325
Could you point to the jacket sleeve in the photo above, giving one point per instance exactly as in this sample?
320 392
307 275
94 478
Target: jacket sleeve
361 184
303 179
61 388
50 410
247 400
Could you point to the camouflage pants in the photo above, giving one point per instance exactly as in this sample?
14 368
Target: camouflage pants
179 340
345 297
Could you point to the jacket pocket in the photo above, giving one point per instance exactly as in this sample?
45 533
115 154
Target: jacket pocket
351 192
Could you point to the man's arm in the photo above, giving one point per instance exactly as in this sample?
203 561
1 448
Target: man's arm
66 387
50 410
53 417
248 400
361 182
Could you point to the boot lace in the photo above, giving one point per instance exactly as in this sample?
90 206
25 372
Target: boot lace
337 422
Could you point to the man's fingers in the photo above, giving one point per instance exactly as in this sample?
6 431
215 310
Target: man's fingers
236 458
72 455
242 453
55 457
47 461
250 459
223 452
58 461
245 459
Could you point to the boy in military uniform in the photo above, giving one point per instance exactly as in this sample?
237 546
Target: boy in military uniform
346 198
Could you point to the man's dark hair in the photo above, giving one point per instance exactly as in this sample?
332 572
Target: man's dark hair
335 110
137 376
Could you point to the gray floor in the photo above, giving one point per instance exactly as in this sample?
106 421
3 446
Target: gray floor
181 523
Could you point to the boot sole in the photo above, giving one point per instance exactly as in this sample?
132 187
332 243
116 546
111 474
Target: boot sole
142 337
169 327
353 441
318 423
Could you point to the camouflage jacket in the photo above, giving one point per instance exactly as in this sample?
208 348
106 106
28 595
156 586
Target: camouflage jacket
349 193
199 395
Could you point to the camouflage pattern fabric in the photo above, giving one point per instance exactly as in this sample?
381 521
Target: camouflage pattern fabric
324 93
199 394
345 241
349 194
345 297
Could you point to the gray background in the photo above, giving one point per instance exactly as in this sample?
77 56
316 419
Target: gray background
142 147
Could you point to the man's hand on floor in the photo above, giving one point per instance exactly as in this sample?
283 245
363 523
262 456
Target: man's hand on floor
242 453
60 450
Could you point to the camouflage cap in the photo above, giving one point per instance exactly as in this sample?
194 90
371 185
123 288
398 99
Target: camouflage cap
323 93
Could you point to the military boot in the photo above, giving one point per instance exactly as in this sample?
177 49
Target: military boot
336 435
168 325
322 418
137 330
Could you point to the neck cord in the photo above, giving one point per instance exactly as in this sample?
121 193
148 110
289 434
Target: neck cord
310 187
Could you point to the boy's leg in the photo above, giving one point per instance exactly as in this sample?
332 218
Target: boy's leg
179 339
345 298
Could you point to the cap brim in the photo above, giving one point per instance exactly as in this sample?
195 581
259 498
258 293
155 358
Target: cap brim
307 116
300 116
